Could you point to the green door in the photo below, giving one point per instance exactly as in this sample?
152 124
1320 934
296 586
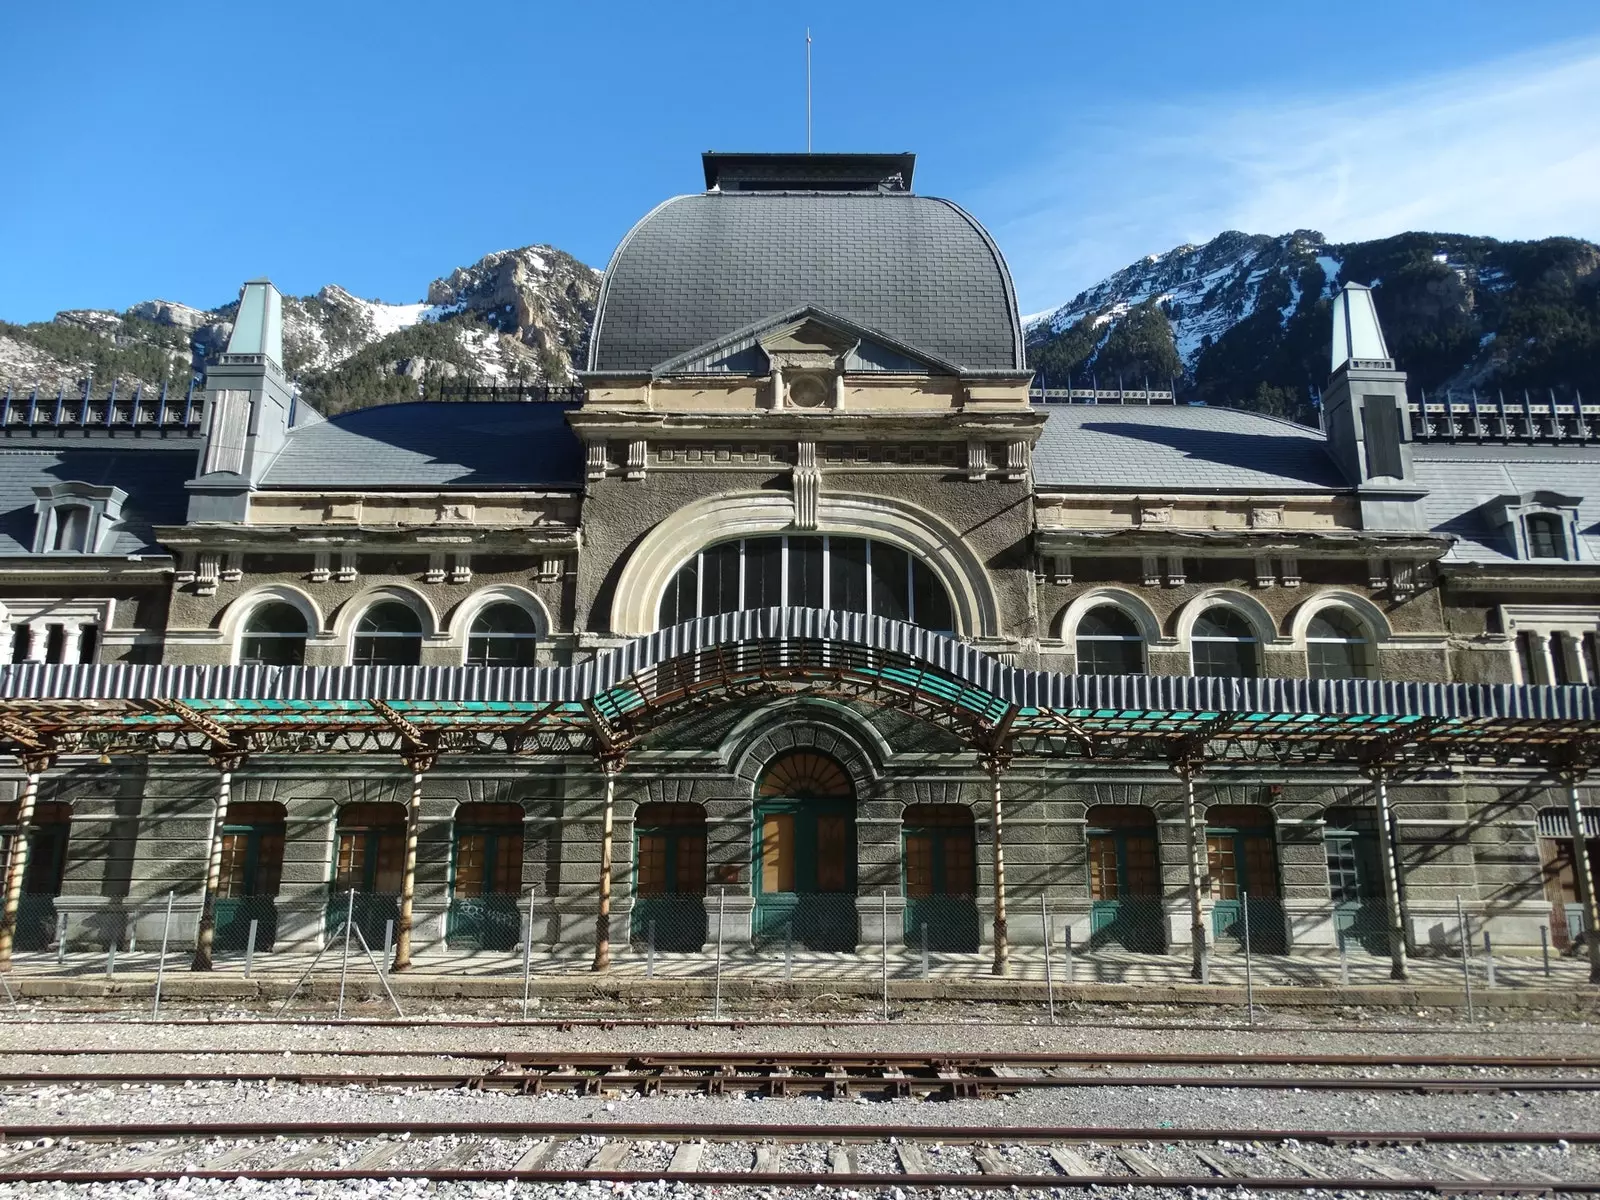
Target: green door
1124 880
1244 861
486 877
371 861
805 873
669 878
938 853
247 890
1356 887
47 862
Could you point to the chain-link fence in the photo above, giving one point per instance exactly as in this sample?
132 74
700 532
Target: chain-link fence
486 923
375 914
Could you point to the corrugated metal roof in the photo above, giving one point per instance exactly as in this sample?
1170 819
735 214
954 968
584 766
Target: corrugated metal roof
1128 447
699 267
432 444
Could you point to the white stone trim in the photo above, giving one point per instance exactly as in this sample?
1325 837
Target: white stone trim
459 627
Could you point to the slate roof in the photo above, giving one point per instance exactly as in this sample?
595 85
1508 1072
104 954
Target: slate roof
1116 447
433 445
700 267
1463 481
153 479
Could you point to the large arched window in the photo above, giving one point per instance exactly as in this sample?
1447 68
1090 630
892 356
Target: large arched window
1337 647
274 636
844 573
503 635
1109 643
389 634
1224 644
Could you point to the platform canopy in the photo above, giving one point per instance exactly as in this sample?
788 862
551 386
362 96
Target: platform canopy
608 706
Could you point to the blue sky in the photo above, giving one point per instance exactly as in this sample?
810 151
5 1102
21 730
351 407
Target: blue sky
174 150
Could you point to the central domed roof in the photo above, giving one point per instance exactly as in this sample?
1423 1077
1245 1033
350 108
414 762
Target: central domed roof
697 268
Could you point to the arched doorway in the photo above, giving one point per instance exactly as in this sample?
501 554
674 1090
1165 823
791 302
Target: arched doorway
252 868
669 880
805 853
939 850
47 867
486 876
1125 879
1243 856
370 862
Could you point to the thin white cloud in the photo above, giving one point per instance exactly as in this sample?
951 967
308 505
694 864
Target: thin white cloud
1510 149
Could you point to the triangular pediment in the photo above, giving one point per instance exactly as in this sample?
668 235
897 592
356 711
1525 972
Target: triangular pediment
804 333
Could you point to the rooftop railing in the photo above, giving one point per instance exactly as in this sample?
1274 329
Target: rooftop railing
167 410
1474 418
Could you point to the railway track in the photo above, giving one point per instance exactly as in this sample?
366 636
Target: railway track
834 1075
804 1156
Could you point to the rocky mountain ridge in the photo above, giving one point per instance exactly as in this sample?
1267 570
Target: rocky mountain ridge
514 316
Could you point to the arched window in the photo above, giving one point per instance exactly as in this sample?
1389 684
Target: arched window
389 634
1337 647
1224 644
843 573
72 529
1547 537
503 635
274 636
1109 643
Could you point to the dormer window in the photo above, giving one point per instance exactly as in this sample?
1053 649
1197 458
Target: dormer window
76 518
1547 536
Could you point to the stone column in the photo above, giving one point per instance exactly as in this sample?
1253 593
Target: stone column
408 885
36 642
602 920
71 642
206 936
1580 865
1389 863
1199 873
17 863
1002 942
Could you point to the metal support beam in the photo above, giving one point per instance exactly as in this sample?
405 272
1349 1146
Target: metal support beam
1002 940
1583 869
17 862
602 920
1199 872
206 936
408 885
1389 861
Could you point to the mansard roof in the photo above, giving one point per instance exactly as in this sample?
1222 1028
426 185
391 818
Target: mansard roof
699 268
152 474
433 445
1126 447
1468 483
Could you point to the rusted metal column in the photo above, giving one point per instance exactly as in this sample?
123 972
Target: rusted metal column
1580 866
206 936
602 921
408 883
17 862
1199 873
1002 942
1389 861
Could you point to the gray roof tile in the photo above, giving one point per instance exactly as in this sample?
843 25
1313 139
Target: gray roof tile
153 479
1464 480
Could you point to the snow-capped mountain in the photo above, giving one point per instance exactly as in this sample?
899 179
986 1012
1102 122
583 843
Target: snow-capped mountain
1243 319
515 315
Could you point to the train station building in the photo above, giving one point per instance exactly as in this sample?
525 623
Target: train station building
807 611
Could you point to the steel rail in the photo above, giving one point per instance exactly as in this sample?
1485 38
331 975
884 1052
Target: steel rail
712 1059
751 1131
787 1084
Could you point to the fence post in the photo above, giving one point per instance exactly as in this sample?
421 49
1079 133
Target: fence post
250 946
1488 960
388 945
650 955
1249 979
1466 957
1544 947
924 949
527 957
1066 965
344 965
1344 960
883 931
161 963
1049 974
788 951
61 938
716 995
111 960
